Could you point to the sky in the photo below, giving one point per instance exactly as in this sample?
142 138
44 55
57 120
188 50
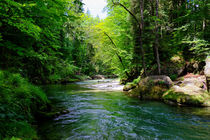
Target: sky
95 7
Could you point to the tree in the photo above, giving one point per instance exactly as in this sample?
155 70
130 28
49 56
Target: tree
140 27
156 44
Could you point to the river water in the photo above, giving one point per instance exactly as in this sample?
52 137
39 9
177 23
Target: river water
99 110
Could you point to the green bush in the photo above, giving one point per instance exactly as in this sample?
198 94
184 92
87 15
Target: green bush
19 101
62 71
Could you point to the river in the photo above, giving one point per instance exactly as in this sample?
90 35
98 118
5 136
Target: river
99 110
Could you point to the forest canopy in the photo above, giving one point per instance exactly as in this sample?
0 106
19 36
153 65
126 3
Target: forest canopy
54 40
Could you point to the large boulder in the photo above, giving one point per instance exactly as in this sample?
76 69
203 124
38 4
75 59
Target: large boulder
152 87
183 97
191 91
159 79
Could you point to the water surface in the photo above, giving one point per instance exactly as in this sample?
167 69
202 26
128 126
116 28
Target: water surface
98 110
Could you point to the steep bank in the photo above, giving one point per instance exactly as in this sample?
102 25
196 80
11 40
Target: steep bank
19 103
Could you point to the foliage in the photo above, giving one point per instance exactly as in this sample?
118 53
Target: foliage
136 81
18 103
173 77
107 54
182 27
42 40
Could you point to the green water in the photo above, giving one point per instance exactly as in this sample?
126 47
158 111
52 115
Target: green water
98 114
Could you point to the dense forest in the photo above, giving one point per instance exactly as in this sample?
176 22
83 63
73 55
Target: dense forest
55 41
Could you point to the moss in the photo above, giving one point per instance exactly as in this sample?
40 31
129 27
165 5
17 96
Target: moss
149 90
186 99
136 81
133 93
154 92
129 86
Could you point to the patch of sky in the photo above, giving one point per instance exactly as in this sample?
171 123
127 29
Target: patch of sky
95 8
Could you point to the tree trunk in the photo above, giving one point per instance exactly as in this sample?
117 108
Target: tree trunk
157 39
141 27
156 43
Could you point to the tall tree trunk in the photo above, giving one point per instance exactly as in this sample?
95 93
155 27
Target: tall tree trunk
141 29
157 39
156 43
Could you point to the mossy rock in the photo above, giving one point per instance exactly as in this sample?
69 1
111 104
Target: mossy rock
160 80
181 98
50 115
152 87
133 93
152 92
123 81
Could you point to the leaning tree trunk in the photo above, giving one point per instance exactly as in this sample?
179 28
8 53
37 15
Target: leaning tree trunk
119 57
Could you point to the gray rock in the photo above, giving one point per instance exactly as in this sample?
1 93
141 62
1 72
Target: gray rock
160 78
98 77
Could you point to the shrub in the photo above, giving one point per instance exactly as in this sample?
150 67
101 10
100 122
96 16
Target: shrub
19 101
173 77
136 81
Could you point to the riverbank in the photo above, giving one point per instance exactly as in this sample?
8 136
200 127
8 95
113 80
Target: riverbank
20 101
24 105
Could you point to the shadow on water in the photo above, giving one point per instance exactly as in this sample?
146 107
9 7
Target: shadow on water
100 111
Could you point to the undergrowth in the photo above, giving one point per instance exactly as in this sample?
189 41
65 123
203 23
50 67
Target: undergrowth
19 101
